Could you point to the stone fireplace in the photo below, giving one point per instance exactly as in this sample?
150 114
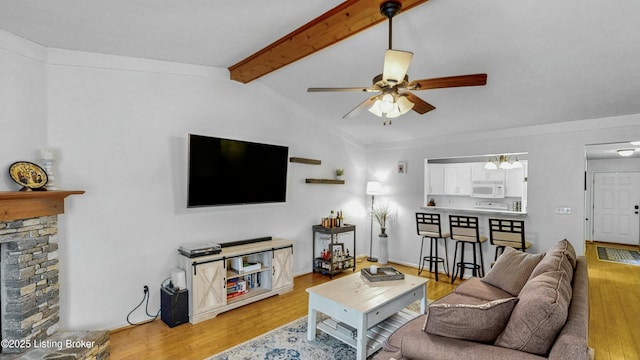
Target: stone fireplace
29 281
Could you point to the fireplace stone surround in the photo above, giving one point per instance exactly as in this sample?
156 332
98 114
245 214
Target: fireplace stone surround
29 282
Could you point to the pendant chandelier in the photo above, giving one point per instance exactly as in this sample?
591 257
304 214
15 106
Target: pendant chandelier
503 162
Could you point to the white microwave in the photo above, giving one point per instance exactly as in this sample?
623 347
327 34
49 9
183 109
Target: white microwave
491 189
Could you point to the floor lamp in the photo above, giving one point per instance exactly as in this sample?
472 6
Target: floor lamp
373 189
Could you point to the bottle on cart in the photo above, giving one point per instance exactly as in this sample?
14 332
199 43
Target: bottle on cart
333 218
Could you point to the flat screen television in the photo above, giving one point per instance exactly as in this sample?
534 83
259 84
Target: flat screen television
232 172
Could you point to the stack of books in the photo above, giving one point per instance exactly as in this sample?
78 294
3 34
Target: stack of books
236 287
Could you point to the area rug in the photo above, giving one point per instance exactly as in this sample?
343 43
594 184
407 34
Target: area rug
623 256
289 342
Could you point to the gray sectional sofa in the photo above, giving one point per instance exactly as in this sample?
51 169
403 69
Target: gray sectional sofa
529 306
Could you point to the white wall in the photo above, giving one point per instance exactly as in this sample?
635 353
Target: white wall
23 103
555 178
119 126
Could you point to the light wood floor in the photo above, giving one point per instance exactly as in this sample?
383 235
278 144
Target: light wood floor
614 306
614 327
157 341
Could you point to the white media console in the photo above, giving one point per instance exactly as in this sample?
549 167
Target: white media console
215 287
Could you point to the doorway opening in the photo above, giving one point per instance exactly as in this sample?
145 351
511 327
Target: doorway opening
612 194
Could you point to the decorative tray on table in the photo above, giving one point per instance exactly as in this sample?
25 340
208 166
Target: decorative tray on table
384 274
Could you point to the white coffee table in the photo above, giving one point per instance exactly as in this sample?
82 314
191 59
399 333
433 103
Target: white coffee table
361 304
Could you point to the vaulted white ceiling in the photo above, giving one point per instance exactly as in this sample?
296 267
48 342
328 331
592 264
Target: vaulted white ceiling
547 61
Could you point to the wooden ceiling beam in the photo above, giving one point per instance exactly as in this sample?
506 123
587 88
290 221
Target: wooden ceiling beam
337 24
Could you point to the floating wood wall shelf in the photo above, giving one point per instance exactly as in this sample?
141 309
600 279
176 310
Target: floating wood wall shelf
324 181
304 161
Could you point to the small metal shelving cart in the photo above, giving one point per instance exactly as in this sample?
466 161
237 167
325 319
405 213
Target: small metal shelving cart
333 264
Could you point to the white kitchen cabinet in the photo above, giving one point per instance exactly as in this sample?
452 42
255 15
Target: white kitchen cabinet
435 176
515 181
457 179
478 172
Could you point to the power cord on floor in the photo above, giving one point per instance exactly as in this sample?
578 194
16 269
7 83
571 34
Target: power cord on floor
153 317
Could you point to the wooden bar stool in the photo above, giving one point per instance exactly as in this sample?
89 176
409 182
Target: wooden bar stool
503 232
464 230
428 226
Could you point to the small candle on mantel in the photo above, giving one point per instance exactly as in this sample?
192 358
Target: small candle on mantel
46 154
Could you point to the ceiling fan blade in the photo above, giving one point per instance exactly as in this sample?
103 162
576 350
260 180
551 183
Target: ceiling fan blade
420 106
396 64
450 81
360 89
363 105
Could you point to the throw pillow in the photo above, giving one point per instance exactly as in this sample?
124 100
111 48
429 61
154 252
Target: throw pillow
512 270
469 318
539 315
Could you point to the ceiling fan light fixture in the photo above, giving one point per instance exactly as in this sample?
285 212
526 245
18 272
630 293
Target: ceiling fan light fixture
391 106
392 84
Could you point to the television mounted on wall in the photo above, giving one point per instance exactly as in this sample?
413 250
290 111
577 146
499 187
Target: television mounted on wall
233 172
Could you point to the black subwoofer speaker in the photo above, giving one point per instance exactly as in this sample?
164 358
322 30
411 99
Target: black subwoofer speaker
174 306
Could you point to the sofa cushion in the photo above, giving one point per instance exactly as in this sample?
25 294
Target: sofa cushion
561 257
512 270
571 343
410 342
539 315
469 318
476 288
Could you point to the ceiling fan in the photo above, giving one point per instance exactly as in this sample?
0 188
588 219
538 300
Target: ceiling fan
393 85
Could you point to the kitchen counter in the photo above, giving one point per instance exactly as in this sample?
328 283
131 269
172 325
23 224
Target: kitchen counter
476 211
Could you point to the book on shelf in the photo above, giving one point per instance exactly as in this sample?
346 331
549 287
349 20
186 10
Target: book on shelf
236 286
237 293
253 280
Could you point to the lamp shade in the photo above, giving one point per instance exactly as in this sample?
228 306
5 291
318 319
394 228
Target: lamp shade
404 105
490 165
387 103
516 164
374 188
375 108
